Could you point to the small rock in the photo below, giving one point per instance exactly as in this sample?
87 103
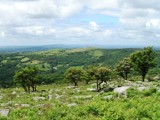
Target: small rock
38 98
50 91
25 105
156 78
83 97
142 88
4 112
72 104
121 90
103 84
14 92
92 89
1 97
109 97
59 96
70 87
50 97
40 105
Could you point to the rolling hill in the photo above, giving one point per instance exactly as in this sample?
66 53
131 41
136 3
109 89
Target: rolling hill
53 63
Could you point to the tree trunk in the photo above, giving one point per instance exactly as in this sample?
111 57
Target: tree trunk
143 77
126 76
97 86
75 83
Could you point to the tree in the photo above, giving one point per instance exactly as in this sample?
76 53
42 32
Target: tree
143 60
27 77
74 74
100 74
123 68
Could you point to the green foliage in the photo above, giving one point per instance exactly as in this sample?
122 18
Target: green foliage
144 60
27 77
74 74
123 68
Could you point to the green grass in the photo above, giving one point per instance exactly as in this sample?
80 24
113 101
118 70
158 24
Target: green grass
144 105
25 59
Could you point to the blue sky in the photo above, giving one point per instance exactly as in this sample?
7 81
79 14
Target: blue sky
105 22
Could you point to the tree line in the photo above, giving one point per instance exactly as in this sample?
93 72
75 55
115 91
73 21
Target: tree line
140 61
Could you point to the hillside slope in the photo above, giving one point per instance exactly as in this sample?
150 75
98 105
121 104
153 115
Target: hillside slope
53 63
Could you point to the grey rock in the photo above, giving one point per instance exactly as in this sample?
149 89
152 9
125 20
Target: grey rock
14 93
156 78
121 90
71 87
142 88
25 105
109 97
59 96
50 97
1 97
72 104
83 97
4 112
92 89
38 98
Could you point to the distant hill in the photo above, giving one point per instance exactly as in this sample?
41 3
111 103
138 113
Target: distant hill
14 49
54 62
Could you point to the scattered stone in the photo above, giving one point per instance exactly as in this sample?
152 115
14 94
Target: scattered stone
92 89
142 88
25 105
50 97
83 97
14 92
121 90
40 105
77 90
4 112
1 97
38 98
156 78
10 103
72 104
50 91
109 97
70 87
18 96
103 84
59 96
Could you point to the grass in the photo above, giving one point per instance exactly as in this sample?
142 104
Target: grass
143 104
25 59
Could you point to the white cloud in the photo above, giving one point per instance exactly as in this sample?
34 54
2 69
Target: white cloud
94 26
2 34
139 21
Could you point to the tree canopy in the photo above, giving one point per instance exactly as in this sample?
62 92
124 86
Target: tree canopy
27 77
74 74
143 60
123 67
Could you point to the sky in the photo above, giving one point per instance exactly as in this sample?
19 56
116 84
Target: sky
98 22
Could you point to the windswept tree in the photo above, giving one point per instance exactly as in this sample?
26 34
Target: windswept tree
74 74
100 74
143 60
123 68
27 78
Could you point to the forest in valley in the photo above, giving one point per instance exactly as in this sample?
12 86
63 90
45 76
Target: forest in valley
53 63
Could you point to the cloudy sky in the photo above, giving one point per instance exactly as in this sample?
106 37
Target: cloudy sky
103 22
